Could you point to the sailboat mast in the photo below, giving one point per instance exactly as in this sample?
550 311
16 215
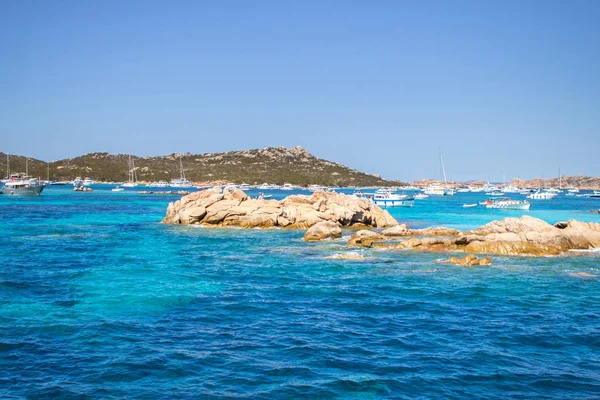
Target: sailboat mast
7 166
26 166
129 173
181 173
443 169
48 172
559 179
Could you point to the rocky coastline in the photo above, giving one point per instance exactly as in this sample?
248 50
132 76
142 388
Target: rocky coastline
524 236
324 214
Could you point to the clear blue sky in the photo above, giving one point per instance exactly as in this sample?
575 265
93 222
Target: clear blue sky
500 86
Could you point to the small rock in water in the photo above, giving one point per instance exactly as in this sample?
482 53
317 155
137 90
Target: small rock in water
323 230
470 260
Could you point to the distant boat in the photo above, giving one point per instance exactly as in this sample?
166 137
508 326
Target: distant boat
182 182
511 189
131 182
421 196
288 186
469 205
539 195
595 194
245 186
508 204
393 200
117 189
434 190
22 186
89 182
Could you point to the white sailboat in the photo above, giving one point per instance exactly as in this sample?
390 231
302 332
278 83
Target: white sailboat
182 182
131 182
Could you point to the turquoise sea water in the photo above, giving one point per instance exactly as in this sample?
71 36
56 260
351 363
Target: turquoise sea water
100 300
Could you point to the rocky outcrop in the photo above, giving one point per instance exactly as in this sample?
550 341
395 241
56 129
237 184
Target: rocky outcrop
217 207
470 260
323 230
398 230
364 238
525 236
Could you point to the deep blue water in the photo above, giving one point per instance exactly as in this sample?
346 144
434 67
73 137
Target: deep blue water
99 300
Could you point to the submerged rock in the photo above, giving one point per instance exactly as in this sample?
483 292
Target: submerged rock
347 257
215 207
470 260
323 230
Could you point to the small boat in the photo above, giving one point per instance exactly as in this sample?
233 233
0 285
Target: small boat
434 190
582 195
393 200
469 205
262 196
245 186
314 188
421 196
89 182
117 189
507 204
573 190
495 193
288 186
595 194
539 195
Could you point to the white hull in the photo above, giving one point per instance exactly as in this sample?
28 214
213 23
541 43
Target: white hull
394 203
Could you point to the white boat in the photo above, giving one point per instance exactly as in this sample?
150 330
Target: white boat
159 184
265 186
288 186
463 190
434 190
182 182
421 196
573 190
131 182
314 188
539 195
262 196
495 193
18 185
553 190
77 181
117 189
469 205
507 204
477 189
393 200
245 186
595 194
89 182
511 189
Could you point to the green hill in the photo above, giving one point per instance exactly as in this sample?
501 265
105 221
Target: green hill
272 164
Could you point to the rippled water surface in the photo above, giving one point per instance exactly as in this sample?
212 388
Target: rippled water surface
99 300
